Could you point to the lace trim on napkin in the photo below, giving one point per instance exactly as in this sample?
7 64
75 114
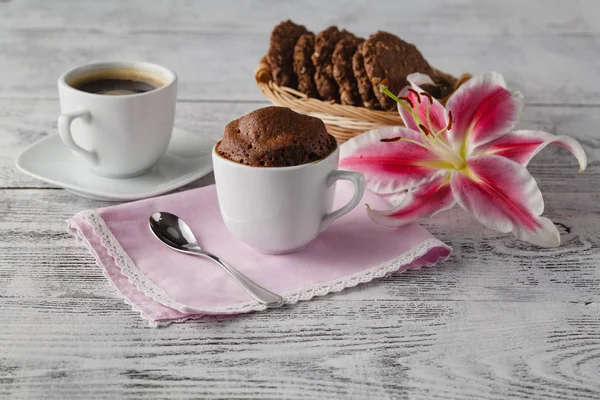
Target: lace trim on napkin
152 290
82 239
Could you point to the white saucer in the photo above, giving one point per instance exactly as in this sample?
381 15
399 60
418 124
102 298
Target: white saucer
187 159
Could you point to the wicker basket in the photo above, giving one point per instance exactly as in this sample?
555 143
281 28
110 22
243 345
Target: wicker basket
342 121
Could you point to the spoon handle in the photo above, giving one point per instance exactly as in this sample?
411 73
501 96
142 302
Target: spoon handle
261 294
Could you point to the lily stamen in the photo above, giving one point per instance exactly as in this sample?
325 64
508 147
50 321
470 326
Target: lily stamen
384 89
438 134
428 97
427 114
416 94
445 152
433 142
394 139
437 163
409 101
399 138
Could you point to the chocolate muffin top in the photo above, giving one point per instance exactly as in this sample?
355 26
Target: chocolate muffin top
276 137
386 56
281 52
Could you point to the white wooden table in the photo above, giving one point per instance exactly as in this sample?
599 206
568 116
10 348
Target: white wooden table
500 319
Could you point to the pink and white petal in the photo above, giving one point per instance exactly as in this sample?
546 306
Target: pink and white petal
482 110
389 167
502 195
419 79
395 198
419 204
546 236
521 146
438 118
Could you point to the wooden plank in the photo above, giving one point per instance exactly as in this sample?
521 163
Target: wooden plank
95 349
219 64
448 17
500 319
485 266
24 121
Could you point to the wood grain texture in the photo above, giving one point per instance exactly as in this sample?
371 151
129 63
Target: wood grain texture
452 17
210 44
95 349
500 319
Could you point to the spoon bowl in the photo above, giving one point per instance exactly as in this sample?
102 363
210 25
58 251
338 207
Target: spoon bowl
176 234
173 231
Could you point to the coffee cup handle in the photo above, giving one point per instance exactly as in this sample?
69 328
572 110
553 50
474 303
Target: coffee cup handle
358 180
64 130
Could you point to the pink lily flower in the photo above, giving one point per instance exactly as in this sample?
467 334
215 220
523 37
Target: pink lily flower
465 153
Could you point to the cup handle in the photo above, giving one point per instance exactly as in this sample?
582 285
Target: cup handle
64 130
358 180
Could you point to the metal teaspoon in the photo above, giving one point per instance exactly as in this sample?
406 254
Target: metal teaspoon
176 234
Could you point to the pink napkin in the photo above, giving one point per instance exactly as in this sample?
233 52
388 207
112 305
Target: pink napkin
166 286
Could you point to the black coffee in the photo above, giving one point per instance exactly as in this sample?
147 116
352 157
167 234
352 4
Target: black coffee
116 87
117 81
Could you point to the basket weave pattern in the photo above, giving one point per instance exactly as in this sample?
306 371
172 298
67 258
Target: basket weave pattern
342 121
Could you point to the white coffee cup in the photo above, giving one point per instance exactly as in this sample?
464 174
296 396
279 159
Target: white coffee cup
279 210
117 136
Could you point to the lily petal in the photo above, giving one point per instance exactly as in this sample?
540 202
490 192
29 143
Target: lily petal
422 203
392 166
502 195
482 110
421 105
522 146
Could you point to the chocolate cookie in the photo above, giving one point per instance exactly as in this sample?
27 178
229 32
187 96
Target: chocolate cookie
365 87
303 66
386 56
281 52
276 137
343 72
325 43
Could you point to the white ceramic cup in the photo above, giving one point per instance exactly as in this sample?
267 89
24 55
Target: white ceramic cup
117 136
279 210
